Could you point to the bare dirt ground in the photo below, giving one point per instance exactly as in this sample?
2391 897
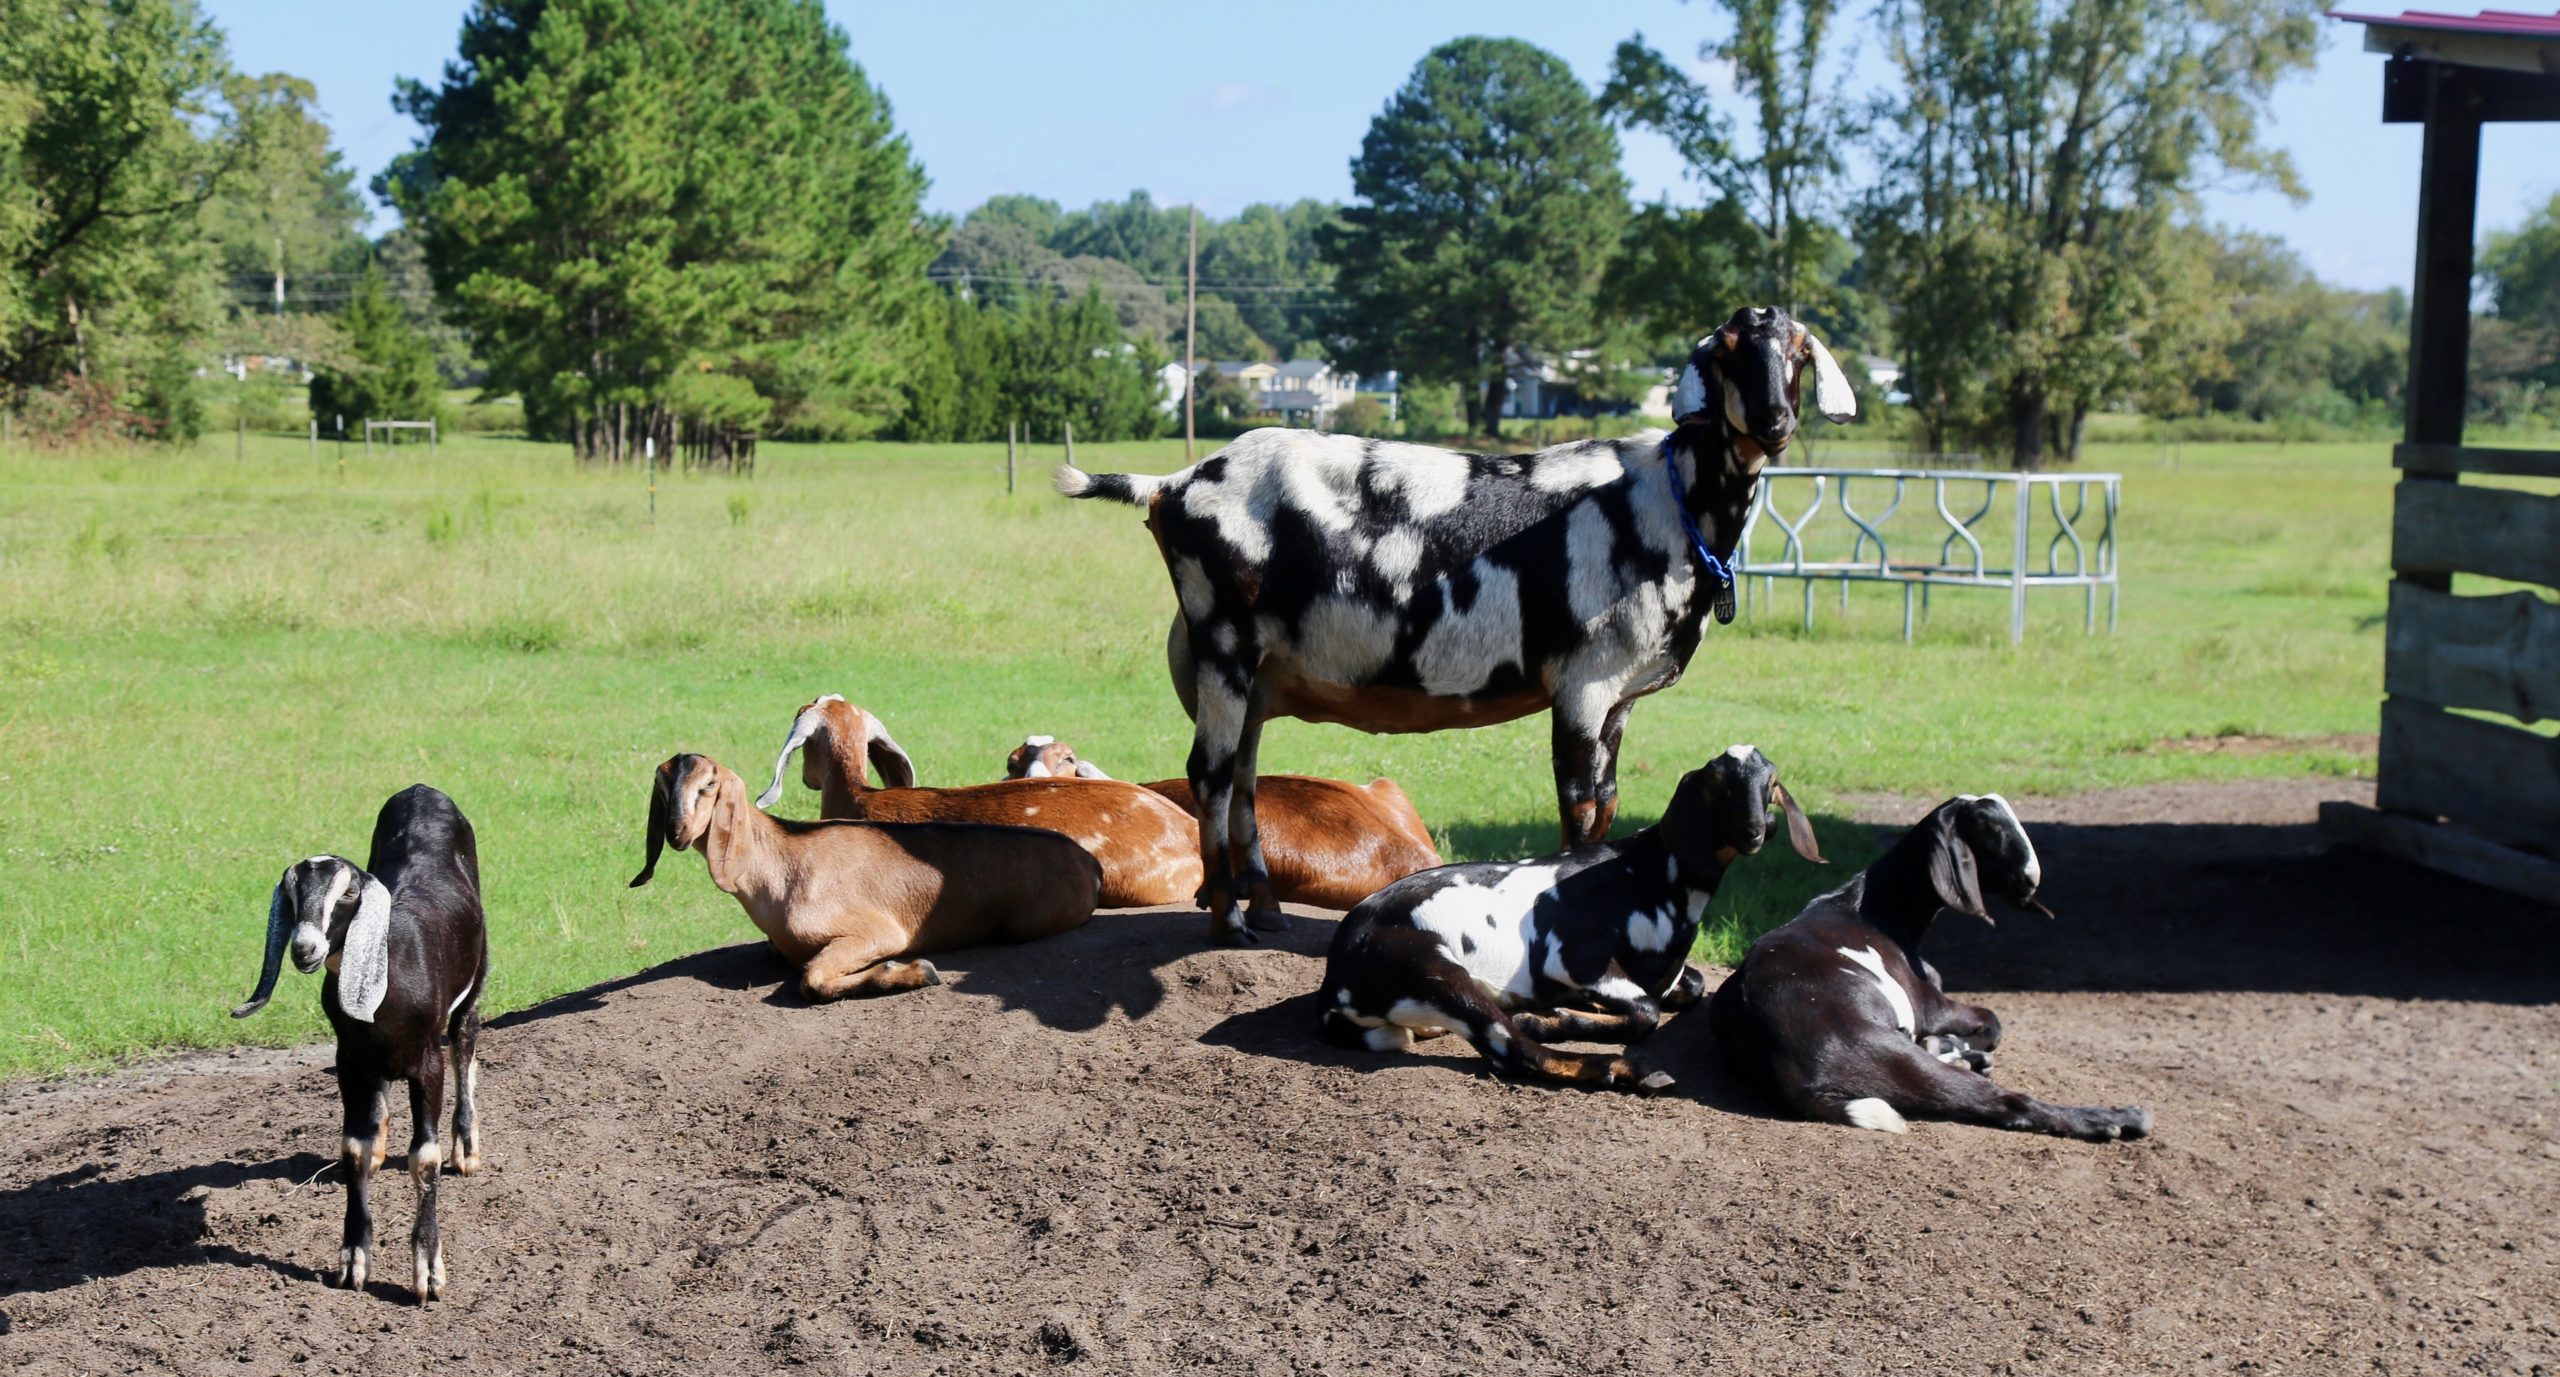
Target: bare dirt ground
1119 1152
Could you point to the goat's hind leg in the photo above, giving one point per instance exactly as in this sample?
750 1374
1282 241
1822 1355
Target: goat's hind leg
1244 831
361 1095
466 1088
864 965
1891 1080
426 1166
1216 743
1412 996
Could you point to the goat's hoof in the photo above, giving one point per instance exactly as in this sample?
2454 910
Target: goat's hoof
1268 919
466 1162
430 1276
1655 1082
927 973
2137 1123
350 1275
1228 931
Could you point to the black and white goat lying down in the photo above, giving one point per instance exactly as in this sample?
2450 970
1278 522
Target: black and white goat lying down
407 953
1590 944
1399 588
1837 1018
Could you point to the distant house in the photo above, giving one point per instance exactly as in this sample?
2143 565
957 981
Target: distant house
1886 375
1542 389
1301 392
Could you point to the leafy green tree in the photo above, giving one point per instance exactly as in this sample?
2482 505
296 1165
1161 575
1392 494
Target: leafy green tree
610 192
390 370
1491 201
2516 360
2294 347
114 133
1267 261
2043 154
1780 180
1224 335
291 206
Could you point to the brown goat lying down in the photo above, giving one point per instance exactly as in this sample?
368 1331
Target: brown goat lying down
1326 843
1149 849
856 904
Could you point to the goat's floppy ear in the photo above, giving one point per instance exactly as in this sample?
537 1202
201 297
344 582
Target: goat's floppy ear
279 929
1694 393
1953 872
1086 769
896 771
1832 395
364 958
802 728
659 787
1799 829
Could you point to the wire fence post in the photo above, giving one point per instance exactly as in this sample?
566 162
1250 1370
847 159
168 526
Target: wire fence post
649 461
1009 428
315 440
431 437
239 439
2018 566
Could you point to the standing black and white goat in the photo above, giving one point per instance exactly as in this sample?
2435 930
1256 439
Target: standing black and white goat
407 952
1495 951
1398 588
1837 1018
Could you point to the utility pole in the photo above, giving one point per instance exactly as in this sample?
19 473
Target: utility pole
1190 336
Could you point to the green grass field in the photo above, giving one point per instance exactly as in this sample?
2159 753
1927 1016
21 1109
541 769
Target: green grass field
215 667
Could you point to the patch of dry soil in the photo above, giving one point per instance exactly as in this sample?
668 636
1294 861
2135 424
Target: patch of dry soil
1120 1152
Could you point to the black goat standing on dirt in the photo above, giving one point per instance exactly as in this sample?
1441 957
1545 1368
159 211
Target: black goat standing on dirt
1500 952
407 951
1399 588
1837 1018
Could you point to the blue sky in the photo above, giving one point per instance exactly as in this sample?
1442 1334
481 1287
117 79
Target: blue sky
1228 105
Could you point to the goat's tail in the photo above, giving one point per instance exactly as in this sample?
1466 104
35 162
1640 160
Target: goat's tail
1136 489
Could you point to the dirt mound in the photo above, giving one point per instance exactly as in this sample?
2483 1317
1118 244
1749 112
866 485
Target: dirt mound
1118 1152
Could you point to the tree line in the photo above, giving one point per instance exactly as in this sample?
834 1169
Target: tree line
684 225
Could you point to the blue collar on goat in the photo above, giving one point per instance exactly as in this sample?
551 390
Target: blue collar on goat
1717 569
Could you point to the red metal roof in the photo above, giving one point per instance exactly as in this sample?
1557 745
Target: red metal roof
2504 23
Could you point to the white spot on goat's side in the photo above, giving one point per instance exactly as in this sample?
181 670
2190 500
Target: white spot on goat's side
1344 641
1191 582
1872 1113
1649 931
1465 648
1433 482
1397 554
1894 995
1572 468
1591 583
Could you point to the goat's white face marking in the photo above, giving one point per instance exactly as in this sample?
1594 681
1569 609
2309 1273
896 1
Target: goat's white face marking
1740 752
1464 649
1872 1113
311 932
1038 769
1496 919
1036 742
2034 869
1894 995
1734 414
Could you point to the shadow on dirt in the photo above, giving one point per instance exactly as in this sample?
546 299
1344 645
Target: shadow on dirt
1121 961
2181 907
745 967
78 1225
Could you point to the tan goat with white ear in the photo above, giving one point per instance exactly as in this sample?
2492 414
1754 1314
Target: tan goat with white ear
1148 847
856 904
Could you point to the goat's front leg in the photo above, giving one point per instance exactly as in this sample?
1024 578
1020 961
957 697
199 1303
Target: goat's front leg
1686 990
361 1095
1216 743
1605 788
1627 1014
1578 720
426 1166
1971 1023
866 964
